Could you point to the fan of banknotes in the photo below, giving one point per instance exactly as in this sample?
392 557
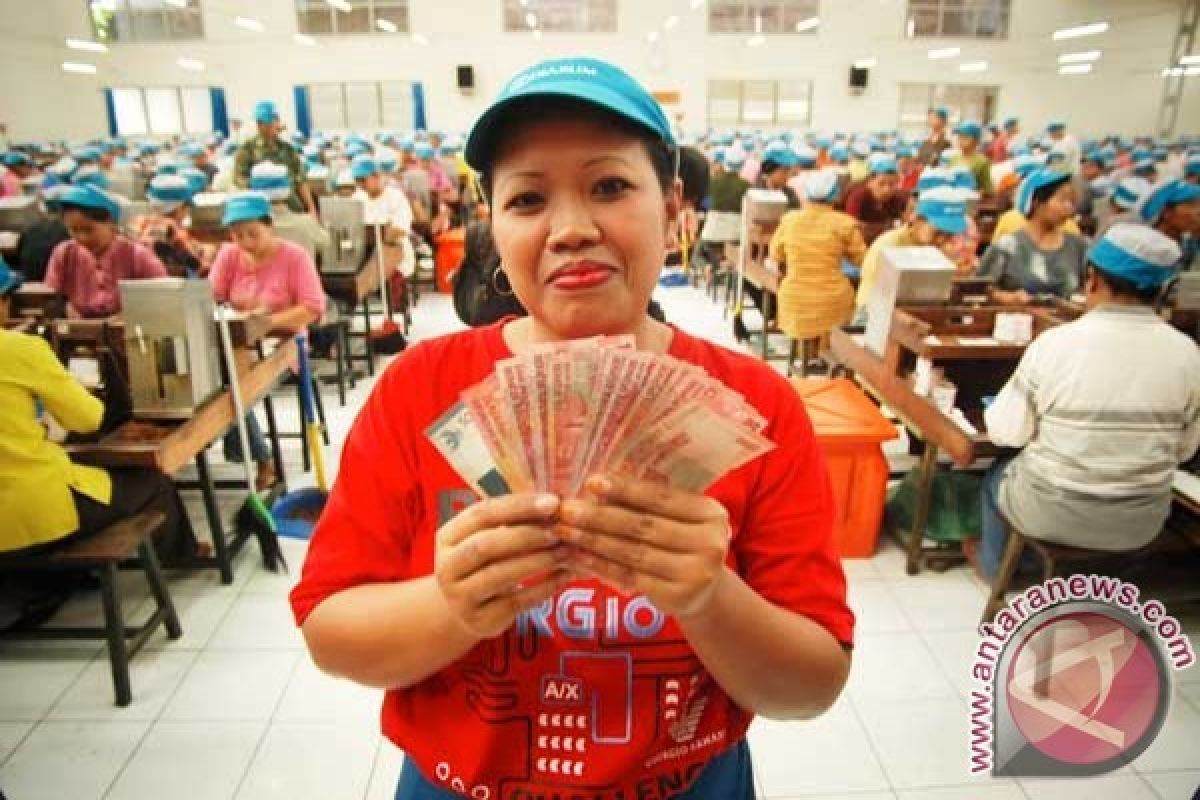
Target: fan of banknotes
547 420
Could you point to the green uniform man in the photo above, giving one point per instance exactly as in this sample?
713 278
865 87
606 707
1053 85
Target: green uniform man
267 146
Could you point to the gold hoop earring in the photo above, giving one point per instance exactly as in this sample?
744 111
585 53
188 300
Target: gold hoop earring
496 275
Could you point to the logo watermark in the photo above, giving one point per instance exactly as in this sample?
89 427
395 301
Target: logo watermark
1073 678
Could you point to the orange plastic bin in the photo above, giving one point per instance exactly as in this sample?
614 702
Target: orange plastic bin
851 431
449 248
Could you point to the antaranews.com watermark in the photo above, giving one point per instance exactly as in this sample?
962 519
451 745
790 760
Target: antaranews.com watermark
1072 678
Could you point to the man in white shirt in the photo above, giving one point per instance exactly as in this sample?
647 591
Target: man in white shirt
388 207
1104 409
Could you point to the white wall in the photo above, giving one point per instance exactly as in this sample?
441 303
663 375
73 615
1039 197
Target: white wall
38 100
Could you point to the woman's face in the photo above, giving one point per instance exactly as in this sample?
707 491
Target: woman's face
1060 207
95 237
254 237
581 223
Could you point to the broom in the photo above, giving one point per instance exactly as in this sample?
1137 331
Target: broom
295 511
253 509
387 338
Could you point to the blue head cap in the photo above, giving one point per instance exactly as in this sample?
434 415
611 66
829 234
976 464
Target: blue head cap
89 196
1138 254
969 128
10 279
882 164
423 151
246 206
86 155
805 156
945 209
1038 179
822 186
191 150
15 158
942 112
935 178
839 154
272 179
90 176
266 112
168 192
363 167
1163 196
588 80
197 179
1192 165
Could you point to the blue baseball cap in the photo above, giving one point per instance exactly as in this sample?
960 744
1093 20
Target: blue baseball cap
839 154
271 179
1038 179
880 164
779 152
589 80
1011 122
191 150
246 206
945 209
941 111
90 176
807 157
1164 195
168 192
86 155
1139 254
1026 165
90 196
423 151
934 178
10 279
15 158
1056 127
969 128
265 111
363 167
1128 191
197 179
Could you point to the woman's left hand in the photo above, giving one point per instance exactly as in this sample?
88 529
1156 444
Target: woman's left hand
645 538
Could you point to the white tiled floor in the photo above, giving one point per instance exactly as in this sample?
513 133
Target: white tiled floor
235 709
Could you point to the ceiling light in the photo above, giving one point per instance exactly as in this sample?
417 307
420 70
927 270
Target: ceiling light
84 44
1192 71
1079 58
910 28
1169 72
386 25
419 38
866 63
696 4
190 63
973 66
1190 60
340 5
177 3
671 22
758 40
249 24
808 24
304 39
652 37
945 52
758 23
82 69
1075 69
1081 30
531 19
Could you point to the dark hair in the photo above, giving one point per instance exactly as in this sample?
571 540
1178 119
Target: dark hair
1043 194
1125 287
694 174
92 213
529 110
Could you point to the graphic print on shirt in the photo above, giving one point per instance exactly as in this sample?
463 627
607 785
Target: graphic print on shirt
615 673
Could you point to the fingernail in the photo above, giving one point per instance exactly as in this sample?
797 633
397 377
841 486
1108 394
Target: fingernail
601 484
545 503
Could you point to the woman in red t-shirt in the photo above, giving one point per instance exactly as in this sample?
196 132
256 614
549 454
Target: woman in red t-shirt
616 645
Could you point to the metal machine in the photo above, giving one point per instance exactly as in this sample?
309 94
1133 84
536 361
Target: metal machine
344 218
208 209
18 213
907 276
171 345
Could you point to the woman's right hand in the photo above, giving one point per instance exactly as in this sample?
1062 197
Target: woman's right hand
498 558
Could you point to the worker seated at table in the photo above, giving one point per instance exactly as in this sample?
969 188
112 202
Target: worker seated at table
980 166
87 268
166 231
305 230
1041 258
39 238
258 271
1013 220
1123 200
940 216
878 202
388 207
18 168
1104 408
45 497
1173 209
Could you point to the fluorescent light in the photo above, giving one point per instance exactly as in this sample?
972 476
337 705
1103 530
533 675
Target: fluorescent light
419 38
249 24
758 40
1192 71
1081 30
386 25
190 63
1169 72
531 19
671 22
304 39
808 24
82 69
758 23
84 44
696 4
866 63
177 3
1190 60
1075 69
1079 58
340 5
944 52
973 66
652 37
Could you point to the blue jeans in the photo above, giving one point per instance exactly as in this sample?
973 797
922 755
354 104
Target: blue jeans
232 443
729 776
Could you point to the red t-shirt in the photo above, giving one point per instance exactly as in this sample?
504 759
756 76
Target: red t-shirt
595 694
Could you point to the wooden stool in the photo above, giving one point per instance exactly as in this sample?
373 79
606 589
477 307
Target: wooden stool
102 554
811 351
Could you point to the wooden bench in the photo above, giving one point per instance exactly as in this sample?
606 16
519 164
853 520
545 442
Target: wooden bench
102 554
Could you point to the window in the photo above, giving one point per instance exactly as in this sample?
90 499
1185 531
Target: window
364 16
761 16
561 16
759 102
361 106
985 19
145 20
977 103
163 111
